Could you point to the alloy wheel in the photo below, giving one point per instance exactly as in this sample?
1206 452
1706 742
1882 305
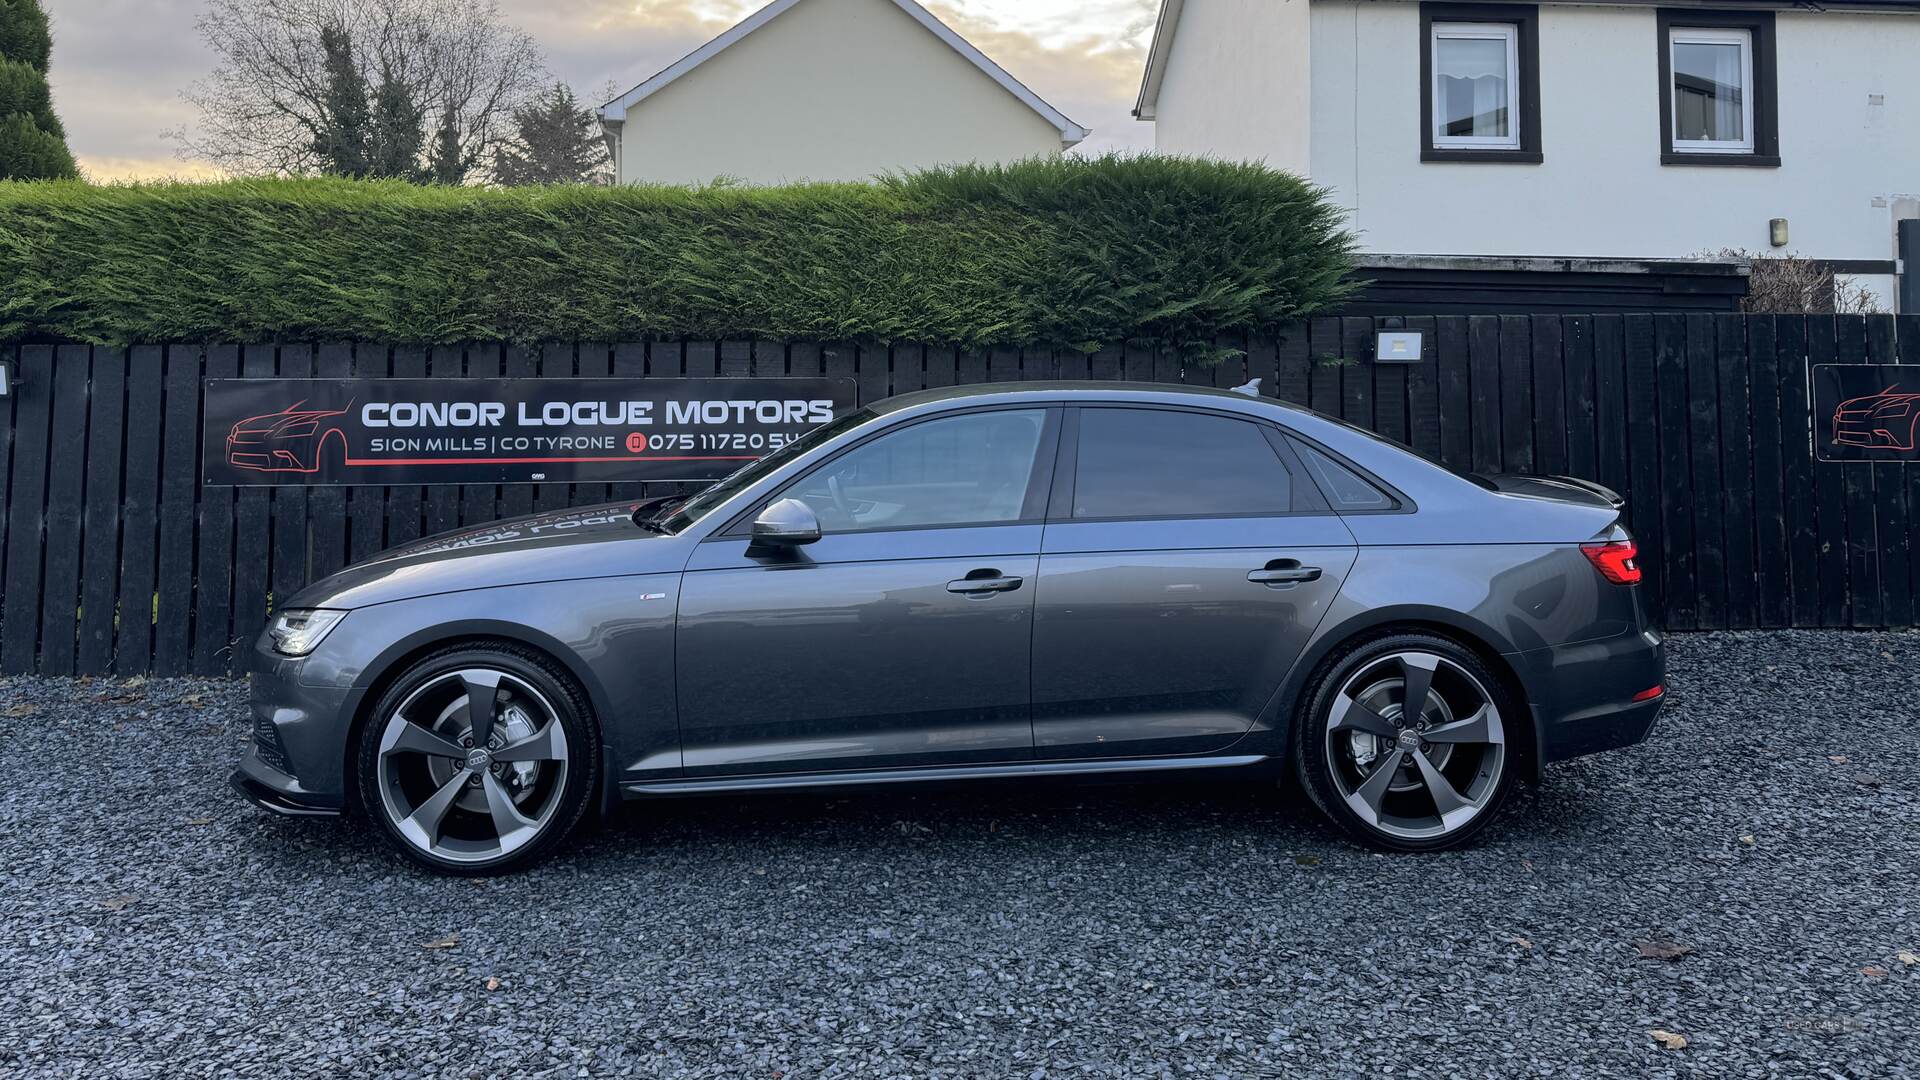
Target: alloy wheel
472 765
1415 745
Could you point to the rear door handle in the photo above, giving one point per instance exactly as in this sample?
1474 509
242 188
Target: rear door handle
1284 575
989 584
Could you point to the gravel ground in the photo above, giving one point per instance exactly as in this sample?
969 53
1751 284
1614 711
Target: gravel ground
153 925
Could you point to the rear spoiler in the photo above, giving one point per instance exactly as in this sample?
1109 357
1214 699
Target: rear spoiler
1613 497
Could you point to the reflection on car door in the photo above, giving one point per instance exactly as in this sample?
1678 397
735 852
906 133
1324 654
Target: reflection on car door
902 637
1184 567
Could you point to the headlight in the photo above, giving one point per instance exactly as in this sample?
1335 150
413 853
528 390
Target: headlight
300 427
297 632
1893 410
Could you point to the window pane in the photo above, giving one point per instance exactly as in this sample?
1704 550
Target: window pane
1708 98
1472 96
1157 463
961 470
1346 489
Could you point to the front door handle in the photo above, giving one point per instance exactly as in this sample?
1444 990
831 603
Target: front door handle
1284 572
984 581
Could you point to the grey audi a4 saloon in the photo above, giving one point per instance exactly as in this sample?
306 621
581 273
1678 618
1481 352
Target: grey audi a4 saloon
1018 580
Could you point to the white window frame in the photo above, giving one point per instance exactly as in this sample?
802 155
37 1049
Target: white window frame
1705 35
1508 32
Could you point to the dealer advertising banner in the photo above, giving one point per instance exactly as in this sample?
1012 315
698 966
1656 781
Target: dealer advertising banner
1866 412
493 431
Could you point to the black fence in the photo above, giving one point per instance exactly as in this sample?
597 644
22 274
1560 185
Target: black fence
117 560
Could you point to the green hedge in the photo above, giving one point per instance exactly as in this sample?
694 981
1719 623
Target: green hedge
1072 253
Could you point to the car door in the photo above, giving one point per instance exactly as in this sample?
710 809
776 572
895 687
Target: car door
1186 562
902 636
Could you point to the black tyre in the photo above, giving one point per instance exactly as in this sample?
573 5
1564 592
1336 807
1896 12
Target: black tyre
1403 741
479 798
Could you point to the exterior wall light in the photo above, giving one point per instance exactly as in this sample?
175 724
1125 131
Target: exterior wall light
1397 347
1777 232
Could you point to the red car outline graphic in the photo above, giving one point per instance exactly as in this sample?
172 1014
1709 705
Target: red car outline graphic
1888 420
290 440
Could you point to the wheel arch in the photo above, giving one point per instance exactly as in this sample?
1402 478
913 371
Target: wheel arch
387 668
1468 633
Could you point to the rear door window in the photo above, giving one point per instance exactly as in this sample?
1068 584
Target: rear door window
1155 463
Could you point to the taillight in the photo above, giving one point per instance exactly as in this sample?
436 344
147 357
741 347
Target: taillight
1615 560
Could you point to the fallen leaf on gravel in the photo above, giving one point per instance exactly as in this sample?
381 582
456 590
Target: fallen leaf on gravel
136 682
1837 759
493 983
447 942
1888 655
1874 972
116 903
1669 1039
22 708
199 821
1662 950
1747 839
1306 860
1907 957
1867 780
1520 941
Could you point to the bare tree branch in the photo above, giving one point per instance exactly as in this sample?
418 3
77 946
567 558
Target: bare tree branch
266 101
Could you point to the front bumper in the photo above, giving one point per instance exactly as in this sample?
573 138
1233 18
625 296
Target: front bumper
1582 694
296 761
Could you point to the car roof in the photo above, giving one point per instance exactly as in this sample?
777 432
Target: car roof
1069 390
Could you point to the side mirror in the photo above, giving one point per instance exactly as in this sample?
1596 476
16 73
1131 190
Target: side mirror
787 523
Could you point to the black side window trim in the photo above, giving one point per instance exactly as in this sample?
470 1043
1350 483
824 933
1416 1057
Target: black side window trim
1030 510
1067 464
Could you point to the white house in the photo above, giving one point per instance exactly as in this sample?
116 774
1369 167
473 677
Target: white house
1603 130
828 90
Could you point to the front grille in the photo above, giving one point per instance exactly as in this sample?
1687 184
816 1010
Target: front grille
266 742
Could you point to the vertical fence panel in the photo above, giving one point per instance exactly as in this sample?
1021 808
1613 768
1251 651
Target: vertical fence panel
1737 469
1863 571
66 491
1799 501
1892 527
252 536
1454 391
1516 394
1708 495
139 523
1581 396
1772 556
1549 396
100 541
1676 481
175 615
27 510
213 592
8 353
292 568
1828 481
1645 509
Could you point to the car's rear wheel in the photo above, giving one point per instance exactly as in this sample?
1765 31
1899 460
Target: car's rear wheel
479 759
1403 742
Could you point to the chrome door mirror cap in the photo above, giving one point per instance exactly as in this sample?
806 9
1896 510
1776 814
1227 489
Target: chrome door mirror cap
786 523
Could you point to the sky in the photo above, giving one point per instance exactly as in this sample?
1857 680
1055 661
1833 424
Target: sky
119 65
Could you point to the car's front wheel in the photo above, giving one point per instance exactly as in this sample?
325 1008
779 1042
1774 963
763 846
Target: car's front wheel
1403 742
479 759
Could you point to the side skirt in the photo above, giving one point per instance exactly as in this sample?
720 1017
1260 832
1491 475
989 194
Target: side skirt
718 785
